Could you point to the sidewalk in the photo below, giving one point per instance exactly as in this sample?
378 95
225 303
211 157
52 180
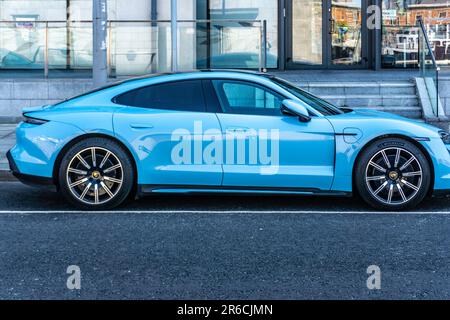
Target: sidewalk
7 140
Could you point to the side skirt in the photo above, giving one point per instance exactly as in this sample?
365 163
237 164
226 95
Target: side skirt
152 189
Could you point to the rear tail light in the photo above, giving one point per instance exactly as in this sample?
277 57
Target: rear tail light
34 121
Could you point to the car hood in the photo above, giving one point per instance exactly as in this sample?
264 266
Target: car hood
369 120
372 113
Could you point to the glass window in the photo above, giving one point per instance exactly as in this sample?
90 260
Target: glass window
70 43
307 31
236 42
225 44
346 37
246 98
400 36
180 96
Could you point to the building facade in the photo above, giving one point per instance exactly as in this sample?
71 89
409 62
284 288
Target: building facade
297 34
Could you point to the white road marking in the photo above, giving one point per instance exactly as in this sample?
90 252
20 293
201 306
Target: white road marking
429 213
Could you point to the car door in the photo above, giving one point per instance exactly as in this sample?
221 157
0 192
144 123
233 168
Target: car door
164 125
265 148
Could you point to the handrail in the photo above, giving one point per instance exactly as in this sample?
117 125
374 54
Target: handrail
431 82
427 41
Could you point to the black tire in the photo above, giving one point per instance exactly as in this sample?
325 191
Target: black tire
400 189
99 198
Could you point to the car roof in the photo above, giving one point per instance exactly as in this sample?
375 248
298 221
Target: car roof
197 72
183 75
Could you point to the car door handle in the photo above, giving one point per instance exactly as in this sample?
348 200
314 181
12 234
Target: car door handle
237 129
141 126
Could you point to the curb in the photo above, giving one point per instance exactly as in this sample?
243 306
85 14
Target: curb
12 120
6 175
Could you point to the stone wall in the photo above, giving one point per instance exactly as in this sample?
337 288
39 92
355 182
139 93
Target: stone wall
19 93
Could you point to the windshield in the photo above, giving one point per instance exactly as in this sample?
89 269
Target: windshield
320 105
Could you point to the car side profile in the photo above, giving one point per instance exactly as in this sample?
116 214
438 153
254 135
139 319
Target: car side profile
225 132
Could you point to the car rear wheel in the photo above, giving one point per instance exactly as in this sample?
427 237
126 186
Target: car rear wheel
96 174
393 174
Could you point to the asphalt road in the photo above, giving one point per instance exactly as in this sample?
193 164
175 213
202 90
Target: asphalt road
227 247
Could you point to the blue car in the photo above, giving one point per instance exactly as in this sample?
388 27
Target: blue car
225 132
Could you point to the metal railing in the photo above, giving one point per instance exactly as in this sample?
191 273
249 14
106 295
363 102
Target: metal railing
408 46
134 47
429 70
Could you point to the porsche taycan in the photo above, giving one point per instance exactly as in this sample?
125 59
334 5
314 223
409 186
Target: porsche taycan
225 132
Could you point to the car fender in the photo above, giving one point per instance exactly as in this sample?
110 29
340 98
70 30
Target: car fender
347 153
38 146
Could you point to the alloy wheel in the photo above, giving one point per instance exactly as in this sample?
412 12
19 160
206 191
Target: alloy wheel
393 176
94 175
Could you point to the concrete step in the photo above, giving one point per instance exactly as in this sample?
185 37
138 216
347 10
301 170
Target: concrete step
373 100
404 105
352 88
399 97
408 112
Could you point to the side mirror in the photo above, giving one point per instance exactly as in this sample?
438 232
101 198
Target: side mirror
294 108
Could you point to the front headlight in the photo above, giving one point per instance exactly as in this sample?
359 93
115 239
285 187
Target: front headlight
445 136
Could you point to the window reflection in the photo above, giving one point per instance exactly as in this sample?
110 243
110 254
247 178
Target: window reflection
400 38
346 37
307 31
135 47
23 34
240 47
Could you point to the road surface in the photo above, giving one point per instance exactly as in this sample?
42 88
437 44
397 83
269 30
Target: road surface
221 247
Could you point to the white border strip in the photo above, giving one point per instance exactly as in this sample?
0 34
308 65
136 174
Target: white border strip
227 212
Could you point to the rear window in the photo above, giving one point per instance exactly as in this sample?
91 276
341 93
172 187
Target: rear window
180 96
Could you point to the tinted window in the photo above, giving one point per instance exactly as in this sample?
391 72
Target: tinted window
181 96
247 98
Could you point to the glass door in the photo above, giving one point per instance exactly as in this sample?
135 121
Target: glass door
346 33
326 34
307 32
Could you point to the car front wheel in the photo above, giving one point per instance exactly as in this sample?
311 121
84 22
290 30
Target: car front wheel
96 174
393 174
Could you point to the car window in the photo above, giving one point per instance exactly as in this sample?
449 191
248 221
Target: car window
180 96
247 98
